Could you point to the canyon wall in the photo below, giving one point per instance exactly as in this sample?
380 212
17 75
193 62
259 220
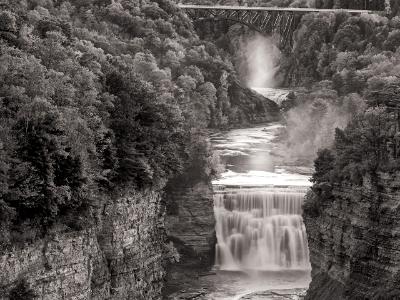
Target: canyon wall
190 225
122 257
354 239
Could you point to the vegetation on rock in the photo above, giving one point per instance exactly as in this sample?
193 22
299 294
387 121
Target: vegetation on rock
22 291
98 95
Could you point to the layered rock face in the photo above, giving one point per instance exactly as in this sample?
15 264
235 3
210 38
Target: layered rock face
354 241
190 225
121 258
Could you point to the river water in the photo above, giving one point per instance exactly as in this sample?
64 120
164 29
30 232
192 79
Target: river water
261 250
258 204
261 238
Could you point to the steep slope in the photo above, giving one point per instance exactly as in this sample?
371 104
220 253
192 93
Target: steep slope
355 243
123 258
351 212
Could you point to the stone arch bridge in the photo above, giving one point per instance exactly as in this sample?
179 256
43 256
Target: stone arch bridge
271 20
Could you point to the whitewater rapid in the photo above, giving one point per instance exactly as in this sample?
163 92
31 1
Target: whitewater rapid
261 229
258 205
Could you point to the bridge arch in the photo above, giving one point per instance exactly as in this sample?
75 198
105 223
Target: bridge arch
266 20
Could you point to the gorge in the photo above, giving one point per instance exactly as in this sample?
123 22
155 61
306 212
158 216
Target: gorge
143 156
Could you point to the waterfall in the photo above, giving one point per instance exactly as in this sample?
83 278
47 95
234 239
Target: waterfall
261 229
276 95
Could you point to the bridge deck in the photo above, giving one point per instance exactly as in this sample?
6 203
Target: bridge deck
255 8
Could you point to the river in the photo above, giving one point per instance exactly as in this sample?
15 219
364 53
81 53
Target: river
261 238
261 249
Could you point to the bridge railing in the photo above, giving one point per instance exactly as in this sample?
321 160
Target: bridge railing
272 9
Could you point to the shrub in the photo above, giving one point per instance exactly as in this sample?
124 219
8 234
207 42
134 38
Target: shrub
22 291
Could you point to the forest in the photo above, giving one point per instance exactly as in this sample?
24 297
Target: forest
354 4
357 73
101 96
97 96
345 71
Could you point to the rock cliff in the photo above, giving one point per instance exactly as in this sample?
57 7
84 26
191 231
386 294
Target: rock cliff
190 225
254 108
120 258
354 240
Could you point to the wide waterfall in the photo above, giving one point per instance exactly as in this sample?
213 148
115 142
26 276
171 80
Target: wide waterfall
261 239
261 229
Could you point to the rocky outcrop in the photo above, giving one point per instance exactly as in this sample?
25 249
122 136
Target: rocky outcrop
354 240
294 294
59 266
253 107
190 225
120 258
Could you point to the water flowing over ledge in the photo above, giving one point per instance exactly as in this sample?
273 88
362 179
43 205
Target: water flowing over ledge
261 229
258 179
257 206
276 95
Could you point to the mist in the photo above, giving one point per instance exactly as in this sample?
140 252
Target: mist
261 58
308 131
310 126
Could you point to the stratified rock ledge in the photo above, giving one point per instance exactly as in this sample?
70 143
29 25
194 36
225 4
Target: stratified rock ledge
292 294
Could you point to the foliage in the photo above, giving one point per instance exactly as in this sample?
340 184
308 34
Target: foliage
364 147
323 166
315 114
382 293
375 4
312 205
98 95
22 291
359 149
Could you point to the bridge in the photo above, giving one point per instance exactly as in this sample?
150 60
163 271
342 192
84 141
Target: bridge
272 20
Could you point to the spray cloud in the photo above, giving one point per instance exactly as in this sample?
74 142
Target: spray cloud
311 124
261 59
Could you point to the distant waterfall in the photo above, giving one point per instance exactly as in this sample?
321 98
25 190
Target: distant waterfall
276 95
260 229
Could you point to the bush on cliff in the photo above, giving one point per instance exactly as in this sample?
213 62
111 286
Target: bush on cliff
22 291
365 146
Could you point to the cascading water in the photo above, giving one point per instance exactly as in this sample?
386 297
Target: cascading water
258 204
261 229
276 95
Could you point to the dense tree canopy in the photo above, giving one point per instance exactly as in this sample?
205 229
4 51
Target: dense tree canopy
98 95
358 56
355 4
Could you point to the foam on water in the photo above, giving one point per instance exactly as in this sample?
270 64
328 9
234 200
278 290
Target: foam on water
257 206
276 95
261 229
262 178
